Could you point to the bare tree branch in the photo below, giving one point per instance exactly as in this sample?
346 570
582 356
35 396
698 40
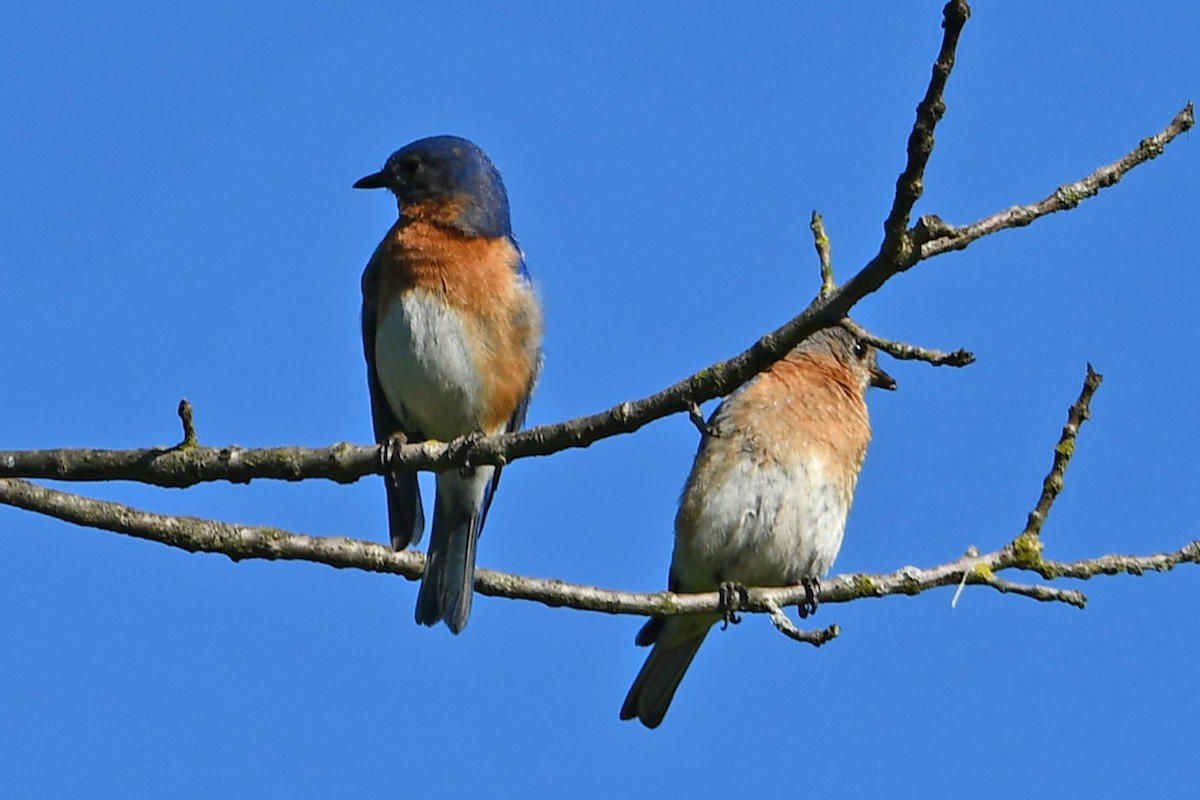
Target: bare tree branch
946 238
1026 548
1080 412
189 426
243 541
902 247
182 466
240 542
824 254
1114 564
784 625
344 463
908 352
959 358
911 183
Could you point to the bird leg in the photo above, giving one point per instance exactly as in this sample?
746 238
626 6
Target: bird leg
732 594
812 586
389 452
697 418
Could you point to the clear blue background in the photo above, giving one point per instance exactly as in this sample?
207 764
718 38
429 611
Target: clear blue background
176 219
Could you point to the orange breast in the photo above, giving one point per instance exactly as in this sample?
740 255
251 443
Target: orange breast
478 280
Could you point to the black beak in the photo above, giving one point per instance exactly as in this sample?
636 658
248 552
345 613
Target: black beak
378 180
881 380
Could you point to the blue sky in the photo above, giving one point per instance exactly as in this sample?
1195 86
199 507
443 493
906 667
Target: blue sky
176 220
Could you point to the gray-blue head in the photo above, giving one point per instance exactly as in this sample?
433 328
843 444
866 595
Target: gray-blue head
449 180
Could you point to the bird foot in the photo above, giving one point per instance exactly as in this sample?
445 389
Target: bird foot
465 446
732 596
812 587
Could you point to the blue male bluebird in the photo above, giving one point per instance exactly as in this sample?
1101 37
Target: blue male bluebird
452 336
768 496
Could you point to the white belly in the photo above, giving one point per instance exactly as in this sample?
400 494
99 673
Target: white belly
764 525
426 368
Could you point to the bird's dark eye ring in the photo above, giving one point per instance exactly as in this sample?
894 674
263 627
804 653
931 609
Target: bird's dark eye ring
409 167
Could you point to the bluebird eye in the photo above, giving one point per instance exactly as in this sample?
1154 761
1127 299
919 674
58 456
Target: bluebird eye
409 167
861 350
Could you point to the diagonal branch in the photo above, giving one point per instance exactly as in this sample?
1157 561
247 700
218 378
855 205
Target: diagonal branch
188 465
900 350
911 183
947 237
1079 412
1026 548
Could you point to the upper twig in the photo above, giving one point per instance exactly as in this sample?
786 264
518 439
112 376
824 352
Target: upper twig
930 237
948 237
824 254
911 183
1079 412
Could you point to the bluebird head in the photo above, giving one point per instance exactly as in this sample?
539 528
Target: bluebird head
860 357
447 179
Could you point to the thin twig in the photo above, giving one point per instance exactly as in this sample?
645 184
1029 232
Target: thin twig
908 352
1026 548
1079 412
788 628
911 183
824 254
1064 197
189 426
1117 564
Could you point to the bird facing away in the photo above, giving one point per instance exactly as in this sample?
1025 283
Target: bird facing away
768 496
452 336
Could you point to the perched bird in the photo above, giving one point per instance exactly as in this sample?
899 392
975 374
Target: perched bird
452 336
767 499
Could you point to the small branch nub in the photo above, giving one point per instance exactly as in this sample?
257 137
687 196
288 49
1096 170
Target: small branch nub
189 427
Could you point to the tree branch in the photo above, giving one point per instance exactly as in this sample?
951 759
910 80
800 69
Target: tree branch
784 625
189 463
946 238
245 542
344 463
1079 412
959 358
911 183
1026 548
908 352
824 254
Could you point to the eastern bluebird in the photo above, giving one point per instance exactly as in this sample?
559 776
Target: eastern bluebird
767 498
452 336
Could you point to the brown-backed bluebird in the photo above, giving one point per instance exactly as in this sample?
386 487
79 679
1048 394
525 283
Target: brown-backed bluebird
768 495
452 336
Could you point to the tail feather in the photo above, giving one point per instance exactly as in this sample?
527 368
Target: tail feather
406 517
655 685
449 583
